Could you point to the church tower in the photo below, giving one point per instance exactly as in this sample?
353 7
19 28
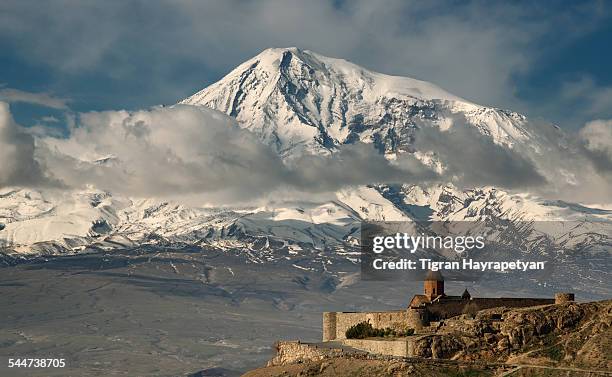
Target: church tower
433 285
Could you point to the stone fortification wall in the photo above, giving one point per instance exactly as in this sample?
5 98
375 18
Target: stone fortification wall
295 352
335 324
329 326
398 347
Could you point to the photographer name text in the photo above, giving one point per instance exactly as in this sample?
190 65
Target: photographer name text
465 264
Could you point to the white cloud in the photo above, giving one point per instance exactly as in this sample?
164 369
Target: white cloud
185 150
597 137
49 119
19 164
593 99
43 99
200 155
472 159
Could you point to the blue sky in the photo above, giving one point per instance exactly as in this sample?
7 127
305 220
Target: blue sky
549 60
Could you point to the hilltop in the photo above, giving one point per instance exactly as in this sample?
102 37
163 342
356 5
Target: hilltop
551 340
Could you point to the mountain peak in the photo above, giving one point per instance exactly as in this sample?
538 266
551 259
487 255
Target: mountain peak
299 101
278 51
273 60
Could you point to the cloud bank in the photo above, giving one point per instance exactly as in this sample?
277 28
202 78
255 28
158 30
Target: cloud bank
471 159
202 156
186 150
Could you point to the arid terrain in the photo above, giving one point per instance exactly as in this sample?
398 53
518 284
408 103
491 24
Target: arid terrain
160 312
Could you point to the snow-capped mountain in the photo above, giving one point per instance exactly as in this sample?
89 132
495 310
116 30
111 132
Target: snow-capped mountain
299 101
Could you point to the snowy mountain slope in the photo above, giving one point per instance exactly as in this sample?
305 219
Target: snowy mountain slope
318 237
72 218
302 102
94 219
